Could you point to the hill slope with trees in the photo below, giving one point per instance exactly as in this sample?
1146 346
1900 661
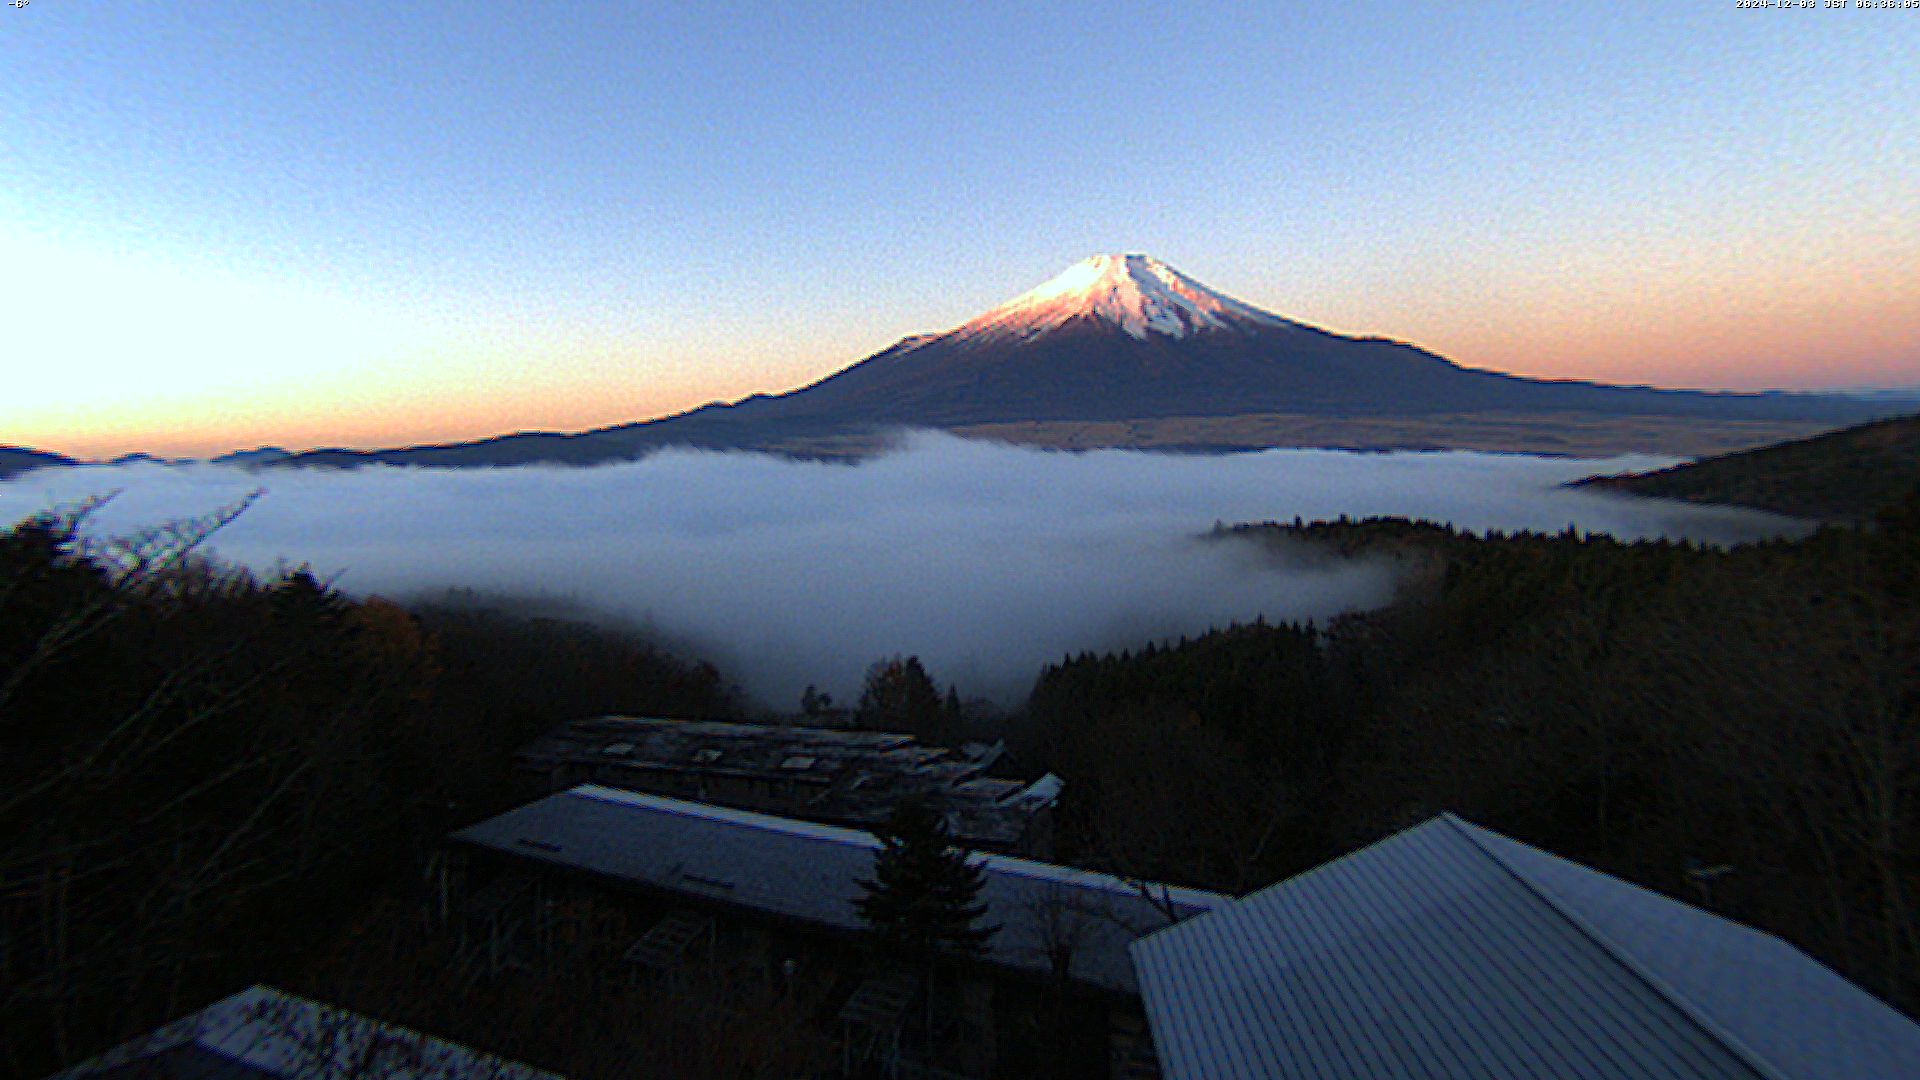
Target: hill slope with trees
1847 475
18 459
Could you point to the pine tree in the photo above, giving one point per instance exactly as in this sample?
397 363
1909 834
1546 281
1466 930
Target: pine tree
814 703
923 898
901 696
953 721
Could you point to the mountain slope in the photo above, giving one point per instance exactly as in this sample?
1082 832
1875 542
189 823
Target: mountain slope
1117 337
1847 475
19 459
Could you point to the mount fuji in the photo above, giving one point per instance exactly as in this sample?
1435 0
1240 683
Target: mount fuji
1126 350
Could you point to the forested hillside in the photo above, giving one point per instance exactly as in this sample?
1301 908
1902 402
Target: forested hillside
1737 729
19 459
1848 475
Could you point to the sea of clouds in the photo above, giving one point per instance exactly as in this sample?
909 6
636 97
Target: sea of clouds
984 559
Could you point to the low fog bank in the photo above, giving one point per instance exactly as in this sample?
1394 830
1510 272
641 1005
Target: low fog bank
986 560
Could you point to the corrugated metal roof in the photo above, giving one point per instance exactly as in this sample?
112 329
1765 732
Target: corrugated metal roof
1451 951
806 871
1791 1013
264 1033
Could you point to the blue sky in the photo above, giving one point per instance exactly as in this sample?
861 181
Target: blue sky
375 223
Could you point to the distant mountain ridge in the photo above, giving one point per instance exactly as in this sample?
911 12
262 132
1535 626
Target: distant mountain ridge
1115 337
261 455
18 459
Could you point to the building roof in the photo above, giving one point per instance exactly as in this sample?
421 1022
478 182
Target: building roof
189 1062
809 872
837 775
264 1034
1448 950
724 748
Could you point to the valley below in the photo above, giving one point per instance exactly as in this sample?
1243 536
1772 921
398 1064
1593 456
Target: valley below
1233 666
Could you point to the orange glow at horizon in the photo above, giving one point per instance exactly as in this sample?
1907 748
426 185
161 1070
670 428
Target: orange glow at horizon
1781 308
380 417
200 361
1870 341
1789 341
179 372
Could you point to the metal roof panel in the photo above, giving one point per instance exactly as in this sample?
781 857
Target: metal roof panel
1424 955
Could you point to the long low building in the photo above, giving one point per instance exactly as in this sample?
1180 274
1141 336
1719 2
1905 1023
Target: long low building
830 775
1451 951
724 888
808 873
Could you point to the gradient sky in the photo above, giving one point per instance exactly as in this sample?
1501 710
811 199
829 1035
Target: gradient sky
228 224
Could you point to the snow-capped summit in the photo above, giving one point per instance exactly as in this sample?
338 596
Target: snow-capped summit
1137 293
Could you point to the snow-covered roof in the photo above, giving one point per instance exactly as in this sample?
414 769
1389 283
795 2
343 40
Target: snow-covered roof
807 871
1448 950
1044 790
262 1033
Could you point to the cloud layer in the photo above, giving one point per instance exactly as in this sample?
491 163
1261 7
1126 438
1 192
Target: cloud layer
984 559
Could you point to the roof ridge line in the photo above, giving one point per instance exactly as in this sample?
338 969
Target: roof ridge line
800 828
1748 1056
723 814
